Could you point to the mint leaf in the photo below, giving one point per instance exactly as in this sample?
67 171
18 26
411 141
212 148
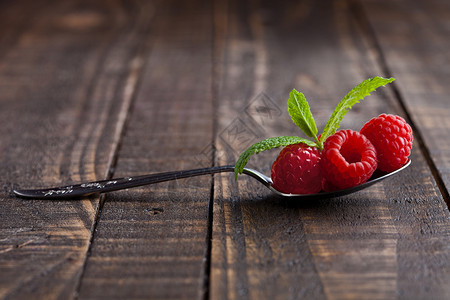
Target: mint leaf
354 96
300 113
266 145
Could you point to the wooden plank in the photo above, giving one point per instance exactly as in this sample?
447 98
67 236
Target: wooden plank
151 242
414 39
65 81
385 242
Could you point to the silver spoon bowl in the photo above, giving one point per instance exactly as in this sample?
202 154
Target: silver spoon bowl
103 186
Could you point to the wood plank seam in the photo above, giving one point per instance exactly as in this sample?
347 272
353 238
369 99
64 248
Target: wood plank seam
132 82
361 18
219 20
163 99
208 242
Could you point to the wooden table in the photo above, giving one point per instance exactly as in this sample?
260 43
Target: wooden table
93 90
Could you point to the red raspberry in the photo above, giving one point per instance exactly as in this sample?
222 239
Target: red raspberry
348 159
392 137
297 170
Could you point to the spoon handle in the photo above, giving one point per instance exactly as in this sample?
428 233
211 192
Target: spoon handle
97 187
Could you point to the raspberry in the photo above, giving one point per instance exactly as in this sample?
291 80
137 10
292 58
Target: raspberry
297 170
348 159
392 137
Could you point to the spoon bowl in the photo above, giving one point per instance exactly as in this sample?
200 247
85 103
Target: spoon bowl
103 186
377 177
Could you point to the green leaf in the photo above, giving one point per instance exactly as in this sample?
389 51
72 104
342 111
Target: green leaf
300 113
354 96
266 145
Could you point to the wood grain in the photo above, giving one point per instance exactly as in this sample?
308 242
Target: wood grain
66 70
386 242
151 242
94 89
413 38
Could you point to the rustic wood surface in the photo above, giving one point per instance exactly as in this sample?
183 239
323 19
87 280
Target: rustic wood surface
66 78
152 241
100 89
413 40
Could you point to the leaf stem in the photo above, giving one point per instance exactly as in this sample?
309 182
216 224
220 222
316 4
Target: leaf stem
318 143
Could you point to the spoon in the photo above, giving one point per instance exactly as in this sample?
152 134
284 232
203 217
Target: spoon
102 186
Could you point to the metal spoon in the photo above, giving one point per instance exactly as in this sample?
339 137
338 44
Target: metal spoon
102 186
